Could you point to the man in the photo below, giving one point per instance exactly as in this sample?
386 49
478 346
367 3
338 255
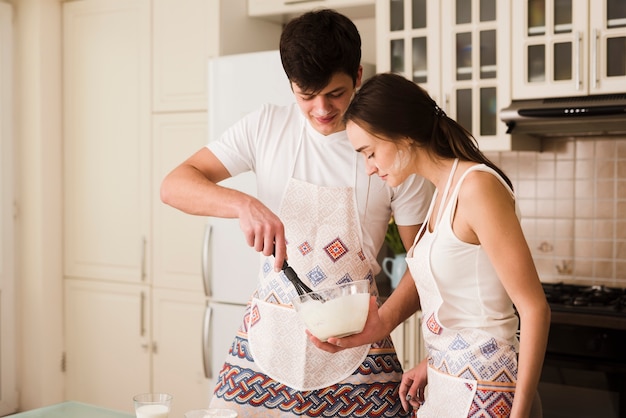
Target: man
317 206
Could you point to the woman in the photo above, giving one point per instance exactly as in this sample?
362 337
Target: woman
470 261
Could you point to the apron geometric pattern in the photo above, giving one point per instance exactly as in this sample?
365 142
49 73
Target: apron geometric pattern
471 373
272 370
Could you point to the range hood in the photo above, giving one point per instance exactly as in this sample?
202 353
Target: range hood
600 115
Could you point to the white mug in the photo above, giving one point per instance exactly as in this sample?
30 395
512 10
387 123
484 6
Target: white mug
394 268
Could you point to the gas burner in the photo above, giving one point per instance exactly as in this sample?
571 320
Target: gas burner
586 299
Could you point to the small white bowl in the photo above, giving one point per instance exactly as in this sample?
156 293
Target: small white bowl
336 311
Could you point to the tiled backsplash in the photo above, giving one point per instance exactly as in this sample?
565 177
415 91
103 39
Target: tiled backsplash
573 201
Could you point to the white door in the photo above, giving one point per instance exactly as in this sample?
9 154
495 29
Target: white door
8 395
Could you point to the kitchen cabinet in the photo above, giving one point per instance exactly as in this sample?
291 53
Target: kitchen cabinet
177 357
185 34
282 10
476 72
108 342
408 341
568 48
180 50
106 115
459 51
177 236
125 339
408 41
135 101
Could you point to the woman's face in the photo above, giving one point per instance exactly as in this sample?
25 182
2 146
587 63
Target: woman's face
391 160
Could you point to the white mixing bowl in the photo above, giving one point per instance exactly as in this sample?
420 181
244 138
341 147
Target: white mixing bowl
335 311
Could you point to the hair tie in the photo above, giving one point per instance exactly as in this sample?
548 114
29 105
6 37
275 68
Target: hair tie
439 112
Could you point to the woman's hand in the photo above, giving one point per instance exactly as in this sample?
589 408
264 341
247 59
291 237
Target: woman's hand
372 332
412 386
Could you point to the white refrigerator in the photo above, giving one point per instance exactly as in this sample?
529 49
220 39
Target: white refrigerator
237 85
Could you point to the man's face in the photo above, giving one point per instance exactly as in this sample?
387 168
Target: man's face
324 109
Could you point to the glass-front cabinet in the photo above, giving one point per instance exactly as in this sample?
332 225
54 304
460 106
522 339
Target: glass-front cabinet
475 67
458 50
568 48
408 41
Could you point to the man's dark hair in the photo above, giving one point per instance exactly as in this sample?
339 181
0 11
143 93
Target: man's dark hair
317 45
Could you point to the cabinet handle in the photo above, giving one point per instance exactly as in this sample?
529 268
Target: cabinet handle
579 60
206 342
594 58
142 317
206 279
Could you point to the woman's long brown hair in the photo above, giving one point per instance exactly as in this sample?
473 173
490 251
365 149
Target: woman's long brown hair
392 107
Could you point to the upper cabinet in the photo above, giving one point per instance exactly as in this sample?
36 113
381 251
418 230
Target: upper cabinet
407 33
459 51
568 48
475 68
283 10
186 34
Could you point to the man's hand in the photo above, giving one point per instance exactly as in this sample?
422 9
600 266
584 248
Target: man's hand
264 231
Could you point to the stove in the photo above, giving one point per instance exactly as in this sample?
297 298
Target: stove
587 305
584 373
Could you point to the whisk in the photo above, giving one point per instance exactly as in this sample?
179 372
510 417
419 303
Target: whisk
301 288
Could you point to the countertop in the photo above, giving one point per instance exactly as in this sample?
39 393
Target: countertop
71 410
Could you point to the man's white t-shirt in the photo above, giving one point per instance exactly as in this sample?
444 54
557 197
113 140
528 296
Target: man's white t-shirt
277 143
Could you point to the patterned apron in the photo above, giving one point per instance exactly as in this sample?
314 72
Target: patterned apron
272 369
471 373
321 227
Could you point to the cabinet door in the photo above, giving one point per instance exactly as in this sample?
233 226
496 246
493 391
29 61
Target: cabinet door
177 360
476 67
107 337
180 50
551 48
408 43
178 236
607 57
106 106
408 341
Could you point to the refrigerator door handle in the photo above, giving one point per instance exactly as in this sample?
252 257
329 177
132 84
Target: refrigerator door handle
206 247
206 342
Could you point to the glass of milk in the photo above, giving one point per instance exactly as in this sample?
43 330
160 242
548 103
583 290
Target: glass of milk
152 405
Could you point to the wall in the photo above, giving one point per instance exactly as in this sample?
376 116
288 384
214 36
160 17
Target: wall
573 201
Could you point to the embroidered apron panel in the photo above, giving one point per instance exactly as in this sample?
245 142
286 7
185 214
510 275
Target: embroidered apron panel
446 395
324 248
289 357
